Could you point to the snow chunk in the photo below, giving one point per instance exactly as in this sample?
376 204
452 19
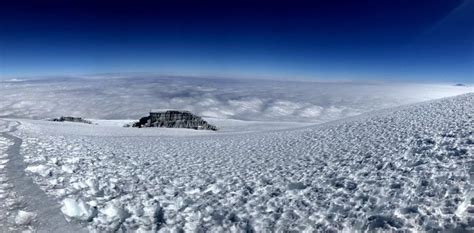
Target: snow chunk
68 169
24 217
39 169
115 212
77 209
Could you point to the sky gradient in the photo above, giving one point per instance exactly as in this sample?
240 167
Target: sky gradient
333 40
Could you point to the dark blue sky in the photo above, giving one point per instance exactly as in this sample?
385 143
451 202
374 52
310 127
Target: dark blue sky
397 40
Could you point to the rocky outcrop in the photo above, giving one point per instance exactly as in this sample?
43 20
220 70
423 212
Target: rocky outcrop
174 119
72 119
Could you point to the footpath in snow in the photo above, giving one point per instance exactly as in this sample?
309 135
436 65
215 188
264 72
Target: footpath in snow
24 207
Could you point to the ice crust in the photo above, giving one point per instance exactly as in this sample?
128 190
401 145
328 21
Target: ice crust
408 168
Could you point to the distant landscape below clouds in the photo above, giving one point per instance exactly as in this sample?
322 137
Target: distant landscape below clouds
262 100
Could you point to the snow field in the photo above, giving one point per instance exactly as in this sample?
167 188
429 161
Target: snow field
407 169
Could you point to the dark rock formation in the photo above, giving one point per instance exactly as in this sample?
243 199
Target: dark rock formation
173 119
72 119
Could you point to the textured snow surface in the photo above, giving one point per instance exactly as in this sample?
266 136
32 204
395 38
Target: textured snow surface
409 168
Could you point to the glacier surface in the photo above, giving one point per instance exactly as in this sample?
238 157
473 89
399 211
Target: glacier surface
408 168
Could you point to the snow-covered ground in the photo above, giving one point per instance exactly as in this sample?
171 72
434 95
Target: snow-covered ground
406 168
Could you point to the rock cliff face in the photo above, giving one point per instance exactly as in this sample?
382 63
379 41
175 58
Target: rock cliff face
72 119
174 119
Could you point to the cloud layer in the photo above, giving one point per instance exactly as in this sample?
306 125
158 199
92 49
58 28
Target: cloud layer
119 98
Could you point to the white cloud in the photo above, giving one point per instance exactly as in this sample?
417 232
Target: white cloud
311 112
236 99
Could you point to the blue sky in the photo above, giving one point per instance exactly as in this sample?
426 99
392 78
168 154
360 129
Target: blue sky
356 40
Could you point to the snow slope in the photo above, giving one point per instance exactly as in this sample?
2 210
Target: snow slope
407 168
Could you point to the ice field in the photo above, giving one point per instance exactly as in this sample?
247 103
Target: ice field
407 168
